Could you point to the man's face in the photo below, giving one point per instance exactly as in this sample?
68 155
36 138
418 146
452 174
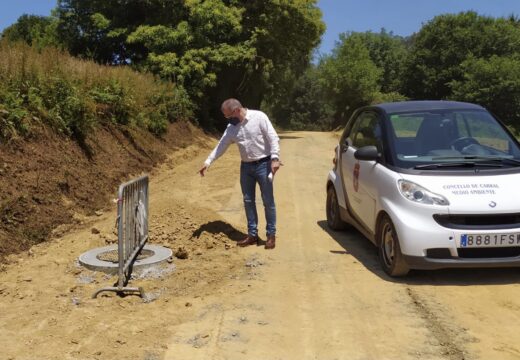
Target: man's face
228 114
232 115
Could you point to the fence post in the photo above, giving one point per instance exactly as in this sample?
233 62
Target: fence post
132 231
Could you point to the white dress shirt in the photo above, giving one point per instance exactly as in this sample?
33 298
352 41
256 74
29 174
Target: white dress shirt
255 136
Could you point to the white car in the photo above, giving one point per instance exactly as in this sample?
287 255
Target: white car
434 184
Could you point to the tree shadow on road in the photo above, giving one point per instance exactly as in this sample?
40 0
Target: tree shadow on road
220 227
288 135
356 245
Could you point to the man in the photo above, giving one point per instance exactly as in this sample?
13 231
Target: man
259 149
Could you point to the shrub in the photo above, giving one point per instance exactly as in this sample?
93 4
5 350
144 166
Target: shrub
73 96
114 103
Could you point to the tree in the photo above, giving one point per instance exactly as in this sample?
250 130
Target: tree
38 31
214 48
364 68
98 29
444 43
284 32
350 78
305 107
388 52
493 83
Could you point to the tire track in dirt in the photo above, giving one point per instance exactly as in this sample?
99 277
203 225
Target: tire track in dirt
440 331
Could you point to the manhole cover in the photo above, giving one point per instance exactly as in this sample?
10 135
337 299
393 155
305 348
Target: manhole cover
106 258
113 255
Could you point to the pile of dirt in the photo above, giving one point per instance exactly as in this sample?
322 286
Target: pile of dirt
50 180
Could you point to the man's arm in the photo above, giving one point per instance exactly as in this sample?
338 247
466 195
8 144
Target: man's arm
274 144
220 149
272 138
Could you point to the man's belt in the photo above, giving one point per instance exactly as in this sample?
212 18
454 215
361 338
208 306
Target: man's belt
264 159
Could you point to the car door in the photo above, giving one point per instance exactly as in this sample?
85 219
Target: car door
360 177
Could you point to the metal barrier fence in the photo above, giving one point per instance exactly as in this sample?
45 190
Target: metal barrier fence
132 230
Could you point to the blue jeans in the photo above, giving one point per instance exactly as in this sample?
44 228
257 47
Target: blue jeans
250 175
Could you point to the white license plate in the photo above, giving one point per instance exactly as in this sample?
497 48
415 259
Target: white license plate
489 240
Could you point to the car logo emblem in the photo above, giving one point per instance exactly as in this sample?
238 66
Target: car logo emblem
492 204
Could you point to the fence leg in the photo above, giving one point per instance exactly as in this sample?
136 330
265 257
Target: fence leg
121 291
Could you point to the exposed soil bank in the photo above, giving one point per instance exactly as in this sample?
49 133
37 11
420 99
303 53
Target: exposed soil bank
49 180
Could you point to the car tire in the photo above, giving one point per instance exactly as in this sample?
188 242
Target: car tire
334 220
390 255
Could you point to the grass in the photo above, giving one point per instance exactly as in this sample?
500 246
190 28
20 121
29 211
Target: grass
73 96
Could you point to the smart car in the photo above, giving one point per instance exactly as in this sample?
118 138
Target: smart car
433 184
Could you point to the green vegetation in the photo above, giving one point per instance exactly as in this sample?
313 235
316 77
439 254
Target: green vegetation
37 31
444 43
464 57
72 95
364 68
215 49
494 82
259 52
467 57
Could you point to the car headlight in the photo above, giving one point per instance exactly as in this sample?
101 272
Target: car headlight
418 194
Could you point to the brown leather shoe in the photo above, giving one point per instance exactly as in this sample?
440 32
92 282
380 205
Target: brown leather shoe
249 240
271 242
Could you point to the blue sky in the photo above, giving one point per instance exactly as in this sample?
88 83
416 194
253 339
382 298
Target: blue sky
402 17
11 10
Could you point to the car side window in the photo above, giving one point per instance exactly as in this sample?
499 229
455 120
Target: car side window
350 135
367 131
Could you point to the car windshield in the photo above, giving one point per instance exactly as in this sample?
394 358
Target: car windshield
449 139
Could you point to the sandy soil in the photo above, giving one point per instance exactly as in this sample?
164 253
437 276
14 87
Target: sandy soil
318 295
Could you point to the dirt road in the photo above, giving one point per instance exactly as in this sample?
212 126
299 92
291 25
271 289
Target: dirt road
318 295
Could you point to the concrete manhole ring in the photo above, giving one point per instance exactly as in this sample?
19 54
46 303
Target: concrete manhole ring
105 258
113 255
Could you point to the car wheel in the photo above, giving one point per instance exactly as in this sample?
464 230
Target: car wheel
333 215
390 254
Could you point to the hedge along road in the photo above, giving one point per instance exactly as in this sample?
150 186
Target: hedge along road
323 295
318 295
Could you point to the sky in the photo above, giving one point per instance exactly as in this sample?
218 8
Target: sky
402 17
11 10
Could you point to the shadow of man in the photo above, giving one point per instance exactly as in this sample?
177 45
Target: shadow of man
220 227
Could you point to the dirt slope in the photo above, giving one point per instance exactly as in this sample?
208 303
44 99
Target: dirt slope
318 295
47 179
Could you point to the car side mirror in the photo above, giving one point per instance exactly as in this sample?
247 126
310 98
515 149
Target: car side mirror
367 153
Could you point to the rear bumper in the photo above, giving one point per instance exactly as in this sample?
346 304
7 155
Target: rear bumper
426 263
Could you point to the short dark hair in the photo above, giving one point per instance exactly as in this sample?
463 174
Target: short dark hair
231 104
